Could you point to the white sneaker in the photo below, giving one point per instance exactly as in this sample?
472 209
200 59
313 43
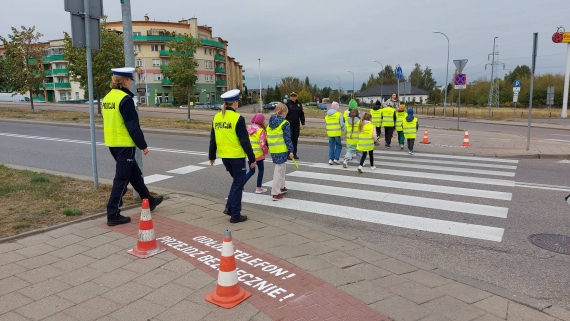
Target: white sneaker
330 162
260 190
359 169
373 168
336 162
344 164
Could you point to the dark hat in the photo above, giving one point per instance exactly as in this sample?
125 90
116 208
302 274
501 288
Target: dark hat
293 94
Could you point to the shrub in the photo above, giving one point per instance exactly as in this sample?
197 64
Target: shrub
72 212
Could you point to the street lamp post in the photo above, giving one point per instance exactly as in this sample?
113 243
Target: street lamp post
492 76
446 71
382 81
260 101
352 82
145 84
338 88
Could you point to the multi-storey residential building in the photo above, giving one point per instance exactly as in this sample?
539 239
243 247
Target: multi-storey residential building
216 72
57 85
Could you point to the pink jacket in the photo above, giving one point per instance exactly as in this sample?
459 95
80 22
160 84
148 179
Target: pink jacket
252 129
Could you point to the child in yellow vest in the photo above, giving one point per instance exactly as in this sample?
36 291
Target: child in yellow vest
351 126
410 127
366 140
400 116
257 137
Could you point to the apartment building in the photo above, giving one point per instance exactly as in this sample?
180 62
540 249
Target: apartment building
57 85
216 72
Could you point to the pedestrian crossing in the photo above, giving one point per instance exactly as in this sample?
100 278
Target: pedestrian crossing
415 193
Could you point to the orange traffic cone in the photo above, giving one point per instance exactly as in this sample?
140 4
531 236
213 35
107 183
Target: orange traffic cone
466 139
425 140
146 245
228 292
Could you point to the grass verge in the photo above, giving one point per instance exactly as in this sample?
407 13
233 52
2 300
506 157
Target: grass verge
146 121
500 113
32 200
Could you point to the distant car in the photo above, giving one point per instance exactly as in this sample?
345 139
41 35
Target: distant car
311 103
270 106
216 107
322 107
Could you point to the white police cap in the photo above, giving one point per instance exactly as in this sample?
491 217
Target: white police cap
124 72
231 95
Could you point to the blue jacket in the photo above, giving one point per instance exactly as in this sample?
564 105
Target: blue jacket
274 122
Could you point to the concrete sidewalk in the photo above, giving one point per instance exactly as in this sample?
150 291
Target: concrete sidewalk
295 271
442 141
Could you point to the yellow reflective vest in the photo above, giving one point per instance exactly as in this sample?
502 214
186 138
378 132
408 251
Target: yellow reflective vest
227 140
365 138
410 128
333 125
352 133
376 117
255 140
276 140
400 116
388 116
114 129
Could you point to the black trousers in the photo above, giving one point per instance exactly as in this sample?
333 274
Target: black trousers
237 169
363 158
295 131
126 171
411 144
378 131
388 131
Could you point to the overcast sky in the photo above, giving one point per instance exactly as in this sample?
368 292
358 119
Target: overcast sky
323 38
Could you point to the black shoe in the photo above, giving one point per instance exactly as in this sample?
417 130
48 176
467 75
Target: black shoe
228 211
118 220
296 157
157 201
242 218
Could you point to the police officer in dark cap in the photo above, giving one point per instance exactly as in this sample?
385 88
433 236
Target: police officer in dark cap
296 119
123 135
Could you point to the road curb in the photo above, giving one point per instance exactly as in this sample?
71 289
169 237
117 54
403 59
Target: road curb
306 141
475 121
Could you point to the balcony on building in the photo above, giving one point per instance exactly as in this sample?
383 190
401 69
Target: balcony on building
219 58
166 82
164 53
220 70
57 72
221 83
53 58
57 85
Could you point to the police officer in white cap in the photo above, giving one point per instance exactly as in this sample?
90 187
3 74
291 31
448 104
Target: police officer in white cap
229 138
123 135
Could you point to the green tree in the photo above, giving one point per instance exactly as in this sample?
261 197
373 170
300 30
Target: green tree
428 81
181 69
109 56
307 83
291 84
326 92
517 73
304 96
3 76
23 61
417 77
277 92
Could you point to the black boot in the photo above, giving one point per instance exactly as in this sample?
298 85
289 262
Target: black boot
242 218
157 201
228 211
118 220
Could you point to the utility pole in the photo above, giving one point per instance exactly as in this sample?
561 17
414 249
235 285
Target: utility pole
260 99
494 89
534 51
129 51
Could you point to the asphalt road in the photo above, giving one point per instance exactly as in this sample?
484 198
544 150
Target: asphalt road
206 114
466 215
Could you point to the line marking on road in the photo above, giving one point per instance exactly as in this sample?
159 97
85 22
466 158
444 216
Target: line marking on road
468 208
217 162
560 135
445 169
485 159
543 186
431 161
405 185
414 174
155 178
186 169
391 219
557 140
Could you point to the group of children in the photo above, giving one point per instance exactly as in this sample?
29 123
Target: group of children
362 134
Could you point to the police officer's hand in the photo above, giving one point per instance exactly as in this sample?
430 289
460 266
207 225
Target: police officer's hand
145 151
291 155
252 166
212 162
303 126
